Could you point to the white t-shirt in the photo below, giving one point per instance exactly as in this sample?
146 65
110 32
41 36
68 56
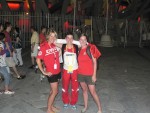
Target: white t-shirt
70 59
3 56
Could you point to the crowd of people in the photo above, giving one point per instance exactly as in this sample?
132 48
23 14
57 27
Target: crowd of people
79 65
10 55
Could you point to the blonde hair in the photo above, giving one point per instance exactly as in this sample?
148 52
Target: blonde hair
49 32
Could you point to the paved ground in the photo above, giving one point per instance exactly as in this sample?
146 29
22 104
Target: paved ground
123 85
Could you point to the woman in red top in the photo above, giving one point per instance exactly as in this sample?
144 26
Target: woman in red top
87 74
49 54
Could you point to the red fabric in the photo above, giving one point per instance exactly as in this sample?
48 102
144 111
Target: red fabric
85 63
42 37
95 52
66 26
46 53
66 78
7 37
70 50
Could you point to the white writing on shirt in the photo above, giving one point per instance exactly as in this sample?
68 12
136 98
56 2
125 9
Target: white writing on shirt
70 59
51 51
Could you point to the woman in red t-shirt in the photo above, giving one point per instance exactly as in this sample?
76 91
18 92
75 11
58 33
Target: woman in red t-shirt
49 54
87 74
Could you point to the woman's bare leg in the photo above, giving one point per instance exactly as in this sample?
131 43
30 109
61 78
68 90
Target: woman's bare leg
95 96
51 98
85 94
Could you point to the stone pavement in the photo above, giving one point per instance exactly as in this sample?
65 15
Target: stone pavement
123 85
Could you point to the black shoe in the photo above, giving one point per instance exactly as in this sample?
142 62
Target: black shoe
1 78
20 65
21 77
36 70
31 67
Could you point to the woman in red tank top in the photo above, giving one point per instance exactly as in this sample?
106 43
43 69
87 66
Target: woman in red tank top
87 74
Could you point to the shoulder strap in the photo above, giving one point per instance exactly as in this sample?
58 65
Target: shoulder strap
62 50
88 52
76 47
90 55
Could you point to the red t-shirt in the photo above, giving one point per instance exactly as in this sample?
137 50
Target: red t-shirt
8 40
42 37
50 55
66 26
7 37
85 63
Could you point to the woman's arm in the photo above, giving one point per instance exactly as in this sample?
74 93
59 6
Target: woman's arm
77 43
95 69
1 49
60 42
7 46
39 63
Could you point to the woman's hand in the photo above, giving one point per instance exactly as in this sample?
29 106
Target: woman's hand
11 54
94 79
47 73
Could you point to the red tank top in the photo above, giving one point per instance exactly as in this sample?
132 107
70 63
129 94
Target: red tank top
85 63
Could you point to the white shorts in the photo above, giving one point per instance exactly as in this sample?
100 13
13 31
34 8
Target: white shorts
10 62
35 51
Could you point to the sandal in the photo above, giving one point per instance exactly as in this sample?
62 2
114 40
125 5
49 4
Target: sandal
9 92
56 109
52 112
99 112
83 110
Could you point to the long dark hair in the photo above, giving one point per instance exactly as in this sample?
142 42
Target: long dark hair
2 36
83 34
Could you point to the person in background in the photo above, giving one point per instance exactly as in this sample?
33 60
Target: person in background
34 46
3 66
9 50
42 34
1 27
42 40
17 48
87 72
49 54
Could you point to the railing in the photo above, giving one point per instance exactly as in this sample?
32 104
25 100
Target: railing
123 32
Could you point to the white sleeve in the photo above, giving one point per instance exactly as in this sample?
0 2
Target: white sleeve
61 41
76 42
